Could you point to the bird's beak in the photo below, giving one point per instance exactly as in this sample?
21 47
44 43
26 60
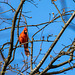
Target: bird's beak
25 32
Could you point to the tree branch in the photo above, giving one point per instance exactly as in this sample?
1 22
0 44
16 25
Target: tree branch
54 43
32 54
61 71
36 24
12 38
58 12
51 66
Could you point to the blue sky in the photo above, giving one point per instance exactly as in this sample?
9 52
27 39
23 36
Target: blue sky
39 15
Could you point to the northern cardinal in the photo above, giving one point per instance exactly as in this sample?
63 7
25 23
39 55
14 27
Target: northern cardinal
23 38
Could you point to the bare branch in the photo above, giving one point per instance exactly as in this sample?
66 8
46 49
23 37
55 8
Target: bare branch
61 71
58 12
32 54
36 24
12 37
5 11
51 66
51 47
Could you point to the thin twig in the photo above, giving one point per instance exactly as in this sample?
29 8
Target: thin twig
32 54
58 12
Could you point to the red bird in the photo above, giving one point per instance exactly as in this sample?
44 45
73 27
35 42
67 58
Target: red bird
23 38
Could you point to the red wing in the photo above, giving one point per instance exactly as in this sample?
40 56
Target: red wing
21 40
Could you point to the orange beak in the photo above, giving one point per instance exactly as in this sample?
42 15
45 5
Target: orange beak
25 31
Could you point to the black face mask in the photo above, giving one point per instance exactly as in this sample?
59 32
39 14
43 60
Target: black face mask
25 32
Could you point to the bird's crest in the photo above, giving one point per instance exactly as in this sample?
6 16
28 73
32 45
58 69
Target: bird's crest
25 29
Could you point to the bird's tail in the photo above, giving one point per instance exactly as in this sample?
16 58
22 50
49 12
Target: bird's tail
26 50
